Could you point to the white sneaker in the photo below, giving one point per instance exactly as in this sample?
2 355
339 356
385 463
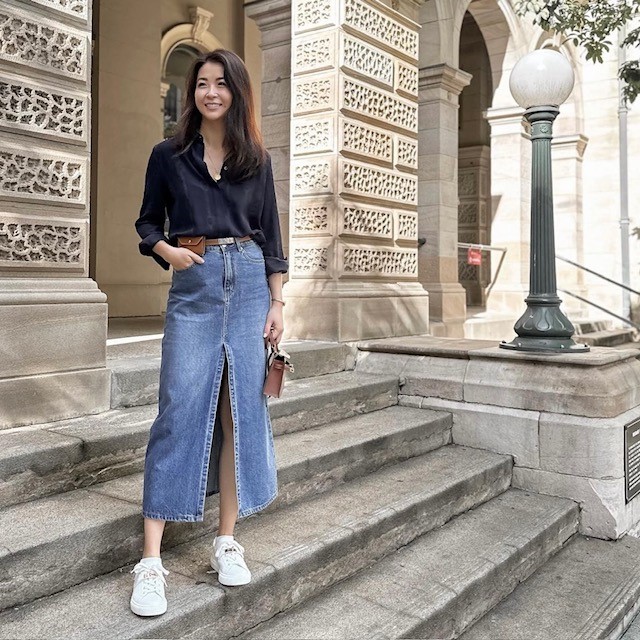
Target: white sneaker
227 558
148 597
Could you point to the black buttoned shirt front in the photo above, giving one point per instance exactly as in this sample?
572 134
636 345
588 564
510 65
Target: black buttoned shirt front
179 187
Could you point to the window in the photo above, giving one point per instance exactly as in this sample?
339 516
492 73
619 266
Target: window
178 65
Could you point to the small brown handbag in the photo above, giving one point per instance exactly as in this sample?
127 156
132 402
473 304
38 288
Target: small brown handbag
195 243
278 362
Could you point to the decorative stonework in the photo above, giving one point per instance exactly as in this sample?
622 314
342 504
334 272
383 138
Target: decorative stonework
307 260
313 136
365 60
313 95
367 141
314 54
313 14
354 142
311 177
467 272
310 218
366 221
372 23
371 182
407 79
42 44
41 243
200 19
467 183
370 102
468 214
36 110
75 8
383 262
407 226
56 180
407 153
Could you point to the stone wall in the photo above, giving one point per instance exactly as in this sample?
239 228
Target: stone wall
45 134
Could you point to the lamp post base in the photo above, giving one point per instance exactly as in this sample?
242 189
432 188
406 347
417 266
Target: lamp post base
546 345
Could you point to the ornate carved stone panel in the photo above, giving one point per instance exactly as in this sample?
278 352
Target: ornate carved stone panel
49 243
407 153
369 142
365 101
467 183
314 54
312 177
372 23
367 61
361 261
76 8
370 182
57 180
314 95
313 136
367 221
468 214
27 107
407 80
406 226
311 217
310 261
43 44
313 14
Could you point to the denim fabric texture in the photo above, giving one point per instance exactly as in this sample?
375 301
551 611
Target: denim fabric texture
216 310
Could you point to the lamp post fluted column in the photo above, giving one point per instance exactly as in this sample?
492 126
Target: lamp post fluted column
543 326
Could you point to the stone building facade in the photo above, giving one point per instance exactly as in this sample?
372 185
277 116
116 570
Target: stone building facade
393 134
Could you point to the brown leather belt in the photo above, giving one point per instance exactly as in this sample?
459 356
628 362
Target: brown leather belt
210 241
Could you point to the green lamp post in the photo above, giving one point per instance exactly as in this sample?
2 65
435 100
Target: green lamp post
540 82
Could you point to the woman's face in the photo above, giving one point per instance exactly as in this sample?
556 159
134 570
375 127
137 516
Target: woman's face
213 97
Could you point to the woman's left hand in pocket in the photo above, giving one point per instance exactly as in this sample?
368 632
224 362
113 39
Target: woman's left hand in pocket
274 325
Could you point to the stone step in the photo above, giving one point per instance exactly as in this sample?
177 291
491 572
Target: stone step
440 583
35 462
608 338
294 553
55 542
136 370
588 591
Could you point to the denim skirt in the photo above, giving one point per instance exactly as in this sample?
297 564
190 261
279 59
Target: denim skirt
216 311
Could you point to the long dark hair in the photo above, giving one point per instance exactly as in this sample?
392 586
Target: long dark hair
246 152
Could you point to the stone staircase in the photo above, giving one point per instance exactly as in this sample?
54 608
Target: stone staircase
382 529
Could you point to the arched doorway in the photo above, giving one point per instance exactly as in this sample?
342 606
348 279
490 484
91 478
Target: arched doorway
178 64
474 155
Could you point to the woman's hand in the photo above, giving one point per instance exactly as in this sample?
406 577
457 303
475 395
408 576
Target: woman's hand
274 325
181 259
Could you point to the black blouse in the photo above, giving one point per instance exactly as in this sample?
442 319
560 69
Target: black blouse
180 187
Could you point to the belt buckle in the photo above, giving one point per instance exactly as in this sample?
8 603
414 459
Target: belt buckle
226 240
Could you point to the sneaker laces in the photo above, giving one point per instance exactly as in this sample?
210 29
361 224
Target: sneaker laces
232 552
150 578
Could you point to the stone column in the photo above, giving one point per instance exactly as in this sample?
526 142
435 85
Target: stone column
273 18
52 316
353 236
568 152
440 86
510 209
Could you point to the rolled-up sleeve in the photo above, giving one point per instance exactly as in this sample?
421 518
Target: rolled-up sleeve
275 261
150 224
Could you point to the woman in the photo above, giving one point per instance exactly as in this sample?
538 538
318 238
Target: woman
212 433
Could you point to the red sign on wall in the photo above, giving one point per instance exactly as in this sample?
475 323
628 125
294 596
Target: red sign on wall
474 256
